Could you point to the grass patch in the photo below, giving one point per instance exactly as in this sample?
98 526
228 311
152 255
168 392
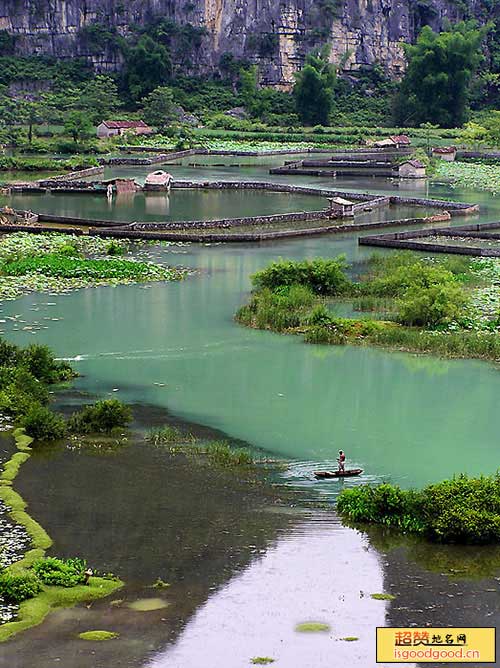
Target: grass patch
312 627
33 611
168 434
382 597
12 466
222 454
98 635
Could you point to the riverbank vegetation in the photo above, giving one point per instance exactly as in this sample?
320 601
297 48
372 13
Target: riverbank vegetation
56 262
462 510
450 307
33 585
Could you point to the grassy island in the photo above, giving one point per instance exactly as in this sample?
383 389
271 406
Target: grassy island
449 307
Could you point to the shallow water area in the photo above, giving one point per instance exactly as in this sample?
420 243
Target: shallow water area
243 571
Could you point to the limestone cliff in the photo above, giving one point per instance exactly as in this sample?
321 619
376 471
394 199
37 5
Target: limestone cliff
276 34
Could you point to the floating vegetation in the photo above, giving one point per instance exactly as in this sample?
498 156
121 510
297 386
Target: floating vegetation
382 597
160 584
350 638
473 176
262 660
98 635
148 604
312 627
59 263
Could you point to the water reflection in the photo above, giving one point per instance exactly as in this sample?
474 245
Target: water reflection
307 576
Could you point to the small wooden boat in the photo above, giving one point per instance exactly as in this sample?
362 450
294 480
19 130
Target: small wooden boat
320 475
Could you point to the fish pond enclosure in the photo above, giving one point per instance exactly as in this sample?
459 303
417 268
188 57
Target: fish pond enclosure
220 568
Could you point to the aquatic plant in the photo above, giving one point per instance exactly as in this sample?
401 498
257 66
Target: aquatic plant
103 416
350 638
312 627
159 584
262 660
382 597
168 434
148 604
57 263
222 454
98 635
472 176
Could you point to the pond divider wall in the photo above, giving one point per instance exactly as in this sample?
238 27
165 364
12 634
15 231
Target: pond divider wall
167 229
72 176
406 240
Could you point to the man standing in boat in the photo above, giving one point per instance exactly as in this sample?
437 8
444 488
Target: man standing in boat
341 460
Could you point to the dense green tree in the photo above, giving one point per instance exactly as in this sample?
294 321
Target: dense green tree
158 107
313 90
99 97
78 125
148 66
437 82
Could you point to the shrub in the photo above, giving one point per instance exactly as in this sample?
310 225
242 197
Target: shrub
42 424
462 510
396 278
40 362
103 416
59 572
323 277
18 588
435 305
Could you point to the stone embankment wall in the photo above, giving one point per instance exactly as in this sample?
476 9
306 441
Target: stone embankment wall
80 174
406 240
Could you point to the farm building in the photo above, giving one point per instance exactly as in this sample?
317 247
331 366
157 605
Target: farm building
448 153
412 169
117 128
394 141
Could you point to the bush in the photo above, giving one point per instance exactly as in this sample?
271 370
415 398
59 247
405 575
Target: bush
18 588
462 510
42 424
40 362
435 305
103 416
323 277
59 572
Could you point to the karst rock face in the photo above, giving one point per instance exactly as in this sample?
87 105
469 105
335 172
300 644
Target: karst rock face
275 34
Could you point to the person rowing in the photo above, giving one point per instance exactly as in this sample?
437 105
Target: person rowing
341 461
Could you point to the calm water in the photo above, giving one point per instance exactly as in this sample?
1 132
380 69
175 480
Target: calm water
400 417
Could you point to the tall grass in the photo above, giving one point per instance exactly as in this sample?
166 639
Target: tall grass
222 454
